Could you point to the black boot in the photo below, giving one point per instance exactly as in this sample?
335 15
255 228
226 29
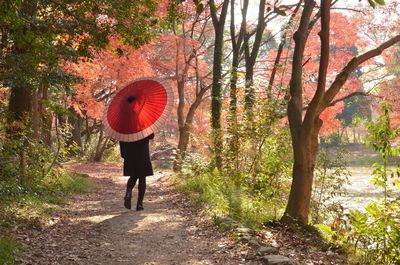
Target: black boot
141 191
139 207
128 199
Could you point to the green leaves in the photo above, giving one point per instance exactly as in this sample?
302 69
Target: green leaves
199 6
373 3
376 231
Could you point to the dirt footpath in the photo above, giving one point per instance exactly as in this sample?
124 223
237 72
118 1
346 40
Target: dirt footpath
95 228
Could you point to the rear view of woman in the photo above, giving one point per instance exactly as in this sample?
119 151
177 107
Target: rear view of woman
137 165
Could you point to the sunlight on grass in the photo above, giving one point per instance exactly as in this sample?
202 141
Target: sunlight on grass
9 250
222 198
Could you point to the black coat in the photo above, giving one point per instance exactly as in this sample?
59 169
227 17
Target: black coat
136 157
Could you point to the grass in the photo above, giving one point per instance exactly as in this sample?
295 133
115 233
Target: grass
25 206
222 198
9 250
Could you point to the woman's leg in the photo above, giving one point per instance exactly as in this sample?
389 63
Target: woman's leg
142 190
128 196
131 183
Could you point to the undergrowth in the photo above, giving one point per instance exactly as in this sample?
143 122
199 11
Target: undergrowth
221 198
9 250
26 205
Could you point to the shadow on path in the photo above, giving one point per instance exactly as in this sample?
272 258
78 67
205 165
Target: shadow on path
95 228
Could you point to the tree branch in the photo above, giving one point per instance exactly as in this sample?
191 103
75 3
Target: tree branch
323 64
357 93
295 104
280 50
342 77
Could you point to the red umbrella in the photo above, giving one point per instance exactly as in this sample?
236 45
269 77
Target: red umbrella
138 109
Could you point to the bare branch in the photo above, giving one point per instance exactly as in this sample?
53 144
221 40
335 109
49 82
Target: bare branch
357 93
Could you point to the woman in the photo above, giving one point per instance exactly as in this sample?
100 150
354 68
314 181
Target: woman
137 165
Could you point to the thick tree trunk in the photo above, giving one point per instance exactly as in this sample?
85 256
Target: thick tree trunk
302 136
304 131
20 104
183 128
305 150
300 192
77 131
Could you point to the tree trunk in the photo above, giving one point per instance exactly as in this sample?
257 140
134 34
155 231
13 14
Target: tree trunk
20 104
76 122
183 128
233 144
184 131
305 150
216 104
216 89
303 137
77 131
46 117
21 97
249 92
98 153
183 143
35 115
282 44
251 57
305 131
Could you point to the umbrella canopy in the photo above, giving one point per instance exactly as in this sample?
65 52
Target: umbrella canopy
138 109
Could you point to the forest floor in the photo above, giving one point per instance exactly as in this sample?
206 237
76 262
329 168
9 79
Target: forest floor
95 228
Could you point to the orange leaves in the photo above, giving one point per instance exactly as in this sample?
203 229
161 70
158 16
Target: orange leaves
103 75
344 40
162 8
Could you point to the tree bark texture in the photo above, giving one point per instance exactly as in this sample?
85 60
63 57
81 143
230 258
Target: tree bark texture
236 41
305 131
20 104
251 57
300 192
216 89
